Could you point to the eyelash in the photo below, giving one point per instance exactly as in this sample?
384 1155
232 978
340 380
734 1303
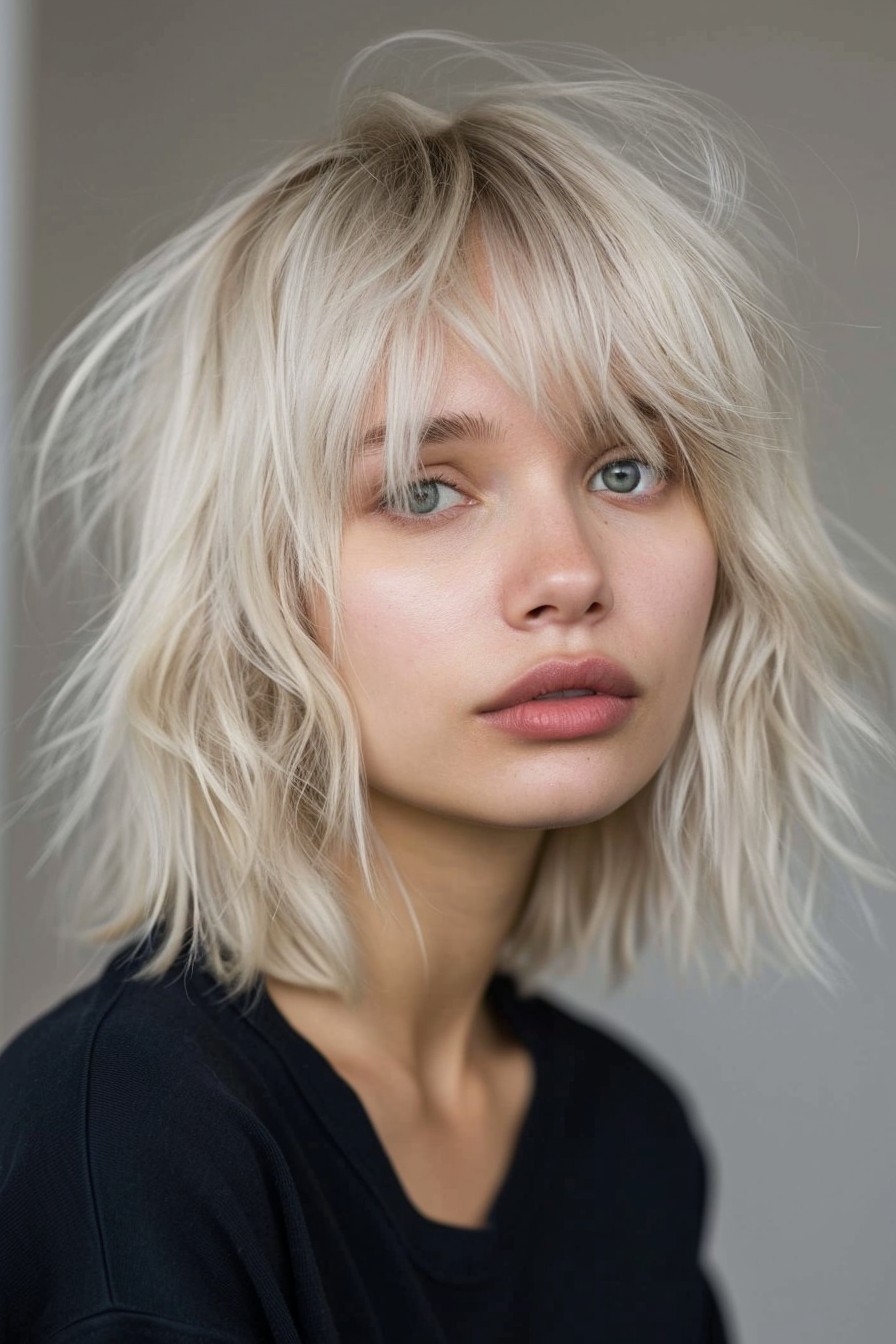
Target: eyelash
415 520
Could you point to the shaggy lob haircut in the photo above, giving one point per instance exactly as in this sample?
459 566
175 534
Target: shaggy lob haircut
199 427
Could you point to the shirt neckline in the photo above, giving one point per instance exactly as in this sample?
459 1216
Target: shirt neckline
444 1250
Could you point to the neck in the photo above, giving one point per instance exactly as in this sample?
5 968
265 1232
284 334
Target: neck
424 1023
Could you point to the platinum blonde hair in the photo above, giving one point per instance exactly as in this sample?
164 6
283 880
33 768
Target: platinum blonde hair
197 430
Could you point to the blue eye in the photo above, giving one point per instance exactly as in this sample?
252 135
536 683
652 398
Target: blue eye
625 475
423 491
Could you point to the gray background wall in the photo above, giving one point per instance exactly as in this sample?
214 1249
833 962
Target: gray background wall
139 113
15 88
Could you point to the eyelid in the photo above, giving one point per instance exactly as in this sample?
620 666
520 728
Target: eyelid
619 452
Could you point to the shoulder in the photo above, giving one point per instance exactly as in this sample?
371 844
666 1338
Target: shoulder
620 1070
123 1067
135 1162
119 1044
626 1112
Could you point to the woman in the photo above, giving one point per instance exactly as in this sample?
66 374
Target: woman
470 612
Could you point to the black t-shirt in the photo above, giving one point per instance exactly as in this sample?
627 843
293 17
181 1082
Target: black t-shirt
177 1168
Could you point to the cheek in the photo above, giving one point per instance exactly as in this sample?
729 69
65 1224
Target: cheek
677 591
400 622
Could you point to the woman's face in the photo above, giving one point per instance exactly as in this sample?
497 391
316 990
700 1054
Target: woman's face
528 555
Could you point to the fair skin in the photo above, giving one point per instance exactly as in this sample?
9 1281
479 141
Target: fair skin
526 556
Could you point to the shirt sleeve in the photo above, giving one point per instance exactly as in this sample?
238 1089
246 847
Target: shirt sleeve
143 1199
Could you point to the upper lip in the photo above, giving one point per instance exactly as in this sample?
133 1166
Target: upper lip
598 674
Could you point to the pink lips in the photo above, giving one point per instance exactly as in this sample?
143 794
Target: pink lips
552 720
600 675
614 697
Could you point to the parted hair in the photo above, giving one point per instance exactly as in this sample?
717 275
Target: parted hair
195 433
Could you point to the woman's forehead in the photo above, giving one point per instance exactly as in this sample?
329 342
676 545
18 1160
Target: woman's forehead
470 399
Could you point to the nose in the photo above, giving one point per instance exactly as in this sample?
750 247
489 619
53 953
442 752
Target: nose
557 571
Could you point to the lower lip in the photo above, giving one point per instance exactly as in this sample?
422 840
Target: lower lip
580 716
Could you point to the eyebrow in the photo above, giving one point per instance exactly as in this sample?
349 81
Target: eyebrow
441 428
